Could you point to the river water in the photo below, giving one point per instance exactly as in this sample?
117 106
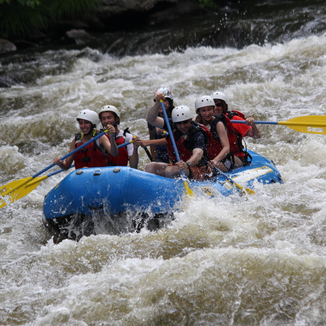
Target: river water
251 260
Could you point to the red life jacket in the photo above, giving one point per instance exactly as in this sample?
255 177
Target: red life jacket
183 146
122 158
90 155
235 138
214 145
231 114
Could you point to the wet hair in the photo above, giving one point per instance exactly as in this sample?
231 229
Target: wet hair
225 107
198 118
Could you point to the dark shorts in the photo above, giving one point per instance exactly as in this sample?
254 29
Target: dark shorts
161 160
162 156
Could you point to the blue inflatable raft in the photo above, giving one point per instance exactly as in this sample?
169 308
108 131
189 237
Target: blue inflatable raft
113 190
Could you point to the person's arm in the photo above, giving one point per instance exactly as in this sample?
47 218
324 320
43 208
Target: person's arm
66 164
152 133
159 142
111 145
133 159
253 132
152 115
196 156
224 141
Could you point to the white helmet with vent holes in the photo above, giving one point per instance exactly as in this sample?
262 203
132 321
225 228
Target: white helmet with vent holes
181 113
220 96
88 115
110 108
203 101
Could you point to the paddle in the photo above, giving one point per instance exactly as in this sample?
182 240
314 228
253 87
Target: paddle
30 186
13 188
148 153
188 191
311 124
243 190
26 188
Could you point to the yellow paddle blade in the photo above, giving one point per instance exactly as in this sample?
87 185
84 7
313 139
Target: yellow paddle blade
188 191
312 124
29 187
12 189
14 185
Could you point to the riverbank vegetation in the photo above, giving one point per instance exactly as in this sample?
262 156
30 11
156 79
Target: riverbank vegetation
24 18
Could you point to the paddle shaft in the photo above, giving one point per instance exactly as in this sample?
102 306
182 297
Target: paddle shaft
71 153
20 188
277 123
243 190
310 124
188 191
289 123
148 153
171 135
59 171
27 180
257 122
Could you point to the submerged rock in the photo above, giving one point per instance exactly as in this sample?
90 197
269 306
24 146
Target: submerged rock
114 7
7 46
78 35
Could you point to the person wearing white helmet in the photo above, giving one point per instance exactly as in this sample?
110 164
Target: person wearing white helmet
91 155
190 141
218 149
157 137
236 131
249 129
221 102
110 115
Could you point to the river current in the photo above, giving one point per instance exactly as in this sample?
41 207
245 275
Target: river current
250 260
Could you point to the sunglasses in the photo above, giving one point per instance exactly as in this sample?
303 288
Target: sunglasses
182 122
219 105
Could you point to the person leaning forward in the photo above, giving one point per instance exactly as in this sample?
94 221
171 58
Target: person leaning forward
190 141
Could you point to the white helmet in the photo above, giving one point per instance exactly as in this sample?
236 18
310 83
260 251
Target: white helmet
203 101
181 113
88 115
165 91
220 96
109 108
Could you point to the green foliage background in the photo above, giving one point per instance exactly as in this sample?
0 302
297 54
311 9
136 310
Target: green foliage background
21 18
211 4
